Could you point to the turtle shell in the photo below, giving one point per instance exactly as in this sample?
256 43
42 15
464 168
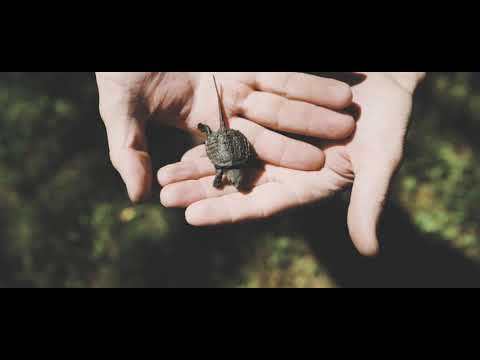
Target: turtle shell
228 148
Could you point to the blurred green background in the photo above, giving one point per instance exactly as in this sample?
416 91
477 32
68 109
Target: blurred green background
65 220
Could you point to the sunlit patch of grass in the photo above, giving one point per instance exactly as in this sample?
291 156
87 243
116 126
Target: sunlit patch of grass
439 198
284 262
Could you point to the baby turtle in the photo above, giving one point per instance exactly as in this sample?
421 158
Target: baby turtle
228 149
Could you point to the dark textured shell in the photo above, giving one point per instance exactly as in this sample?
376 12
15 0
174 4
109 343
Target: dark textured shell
228 148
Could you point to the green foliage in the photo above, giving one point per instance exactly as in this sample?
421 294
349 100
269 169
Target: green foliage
440 182
65 220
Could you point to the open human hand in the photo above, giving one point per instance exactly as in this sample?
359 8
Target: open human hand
255 103
367 161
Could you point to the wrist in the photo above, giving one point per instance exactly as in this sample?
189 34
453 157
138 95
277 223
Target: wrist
408 80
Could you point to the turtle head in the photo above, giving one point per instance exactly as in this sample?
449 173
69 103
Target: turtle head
204 129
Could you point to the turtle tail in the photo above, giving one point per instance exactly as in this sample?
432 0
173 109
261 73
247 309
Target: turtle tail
223 124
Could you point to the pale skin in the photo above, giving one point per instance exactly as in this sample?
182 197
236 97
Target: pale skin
255 103
366 161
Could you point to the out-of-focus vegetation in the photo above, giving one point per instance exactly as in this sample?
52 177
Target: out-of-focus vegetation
440 182
65 220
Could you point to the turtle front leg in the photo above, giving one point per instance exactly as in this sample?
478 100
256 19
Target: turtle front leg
218 181
204 129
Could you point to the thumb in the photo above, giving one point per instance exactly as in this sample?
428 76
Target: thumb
136 171
369 194
127 143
